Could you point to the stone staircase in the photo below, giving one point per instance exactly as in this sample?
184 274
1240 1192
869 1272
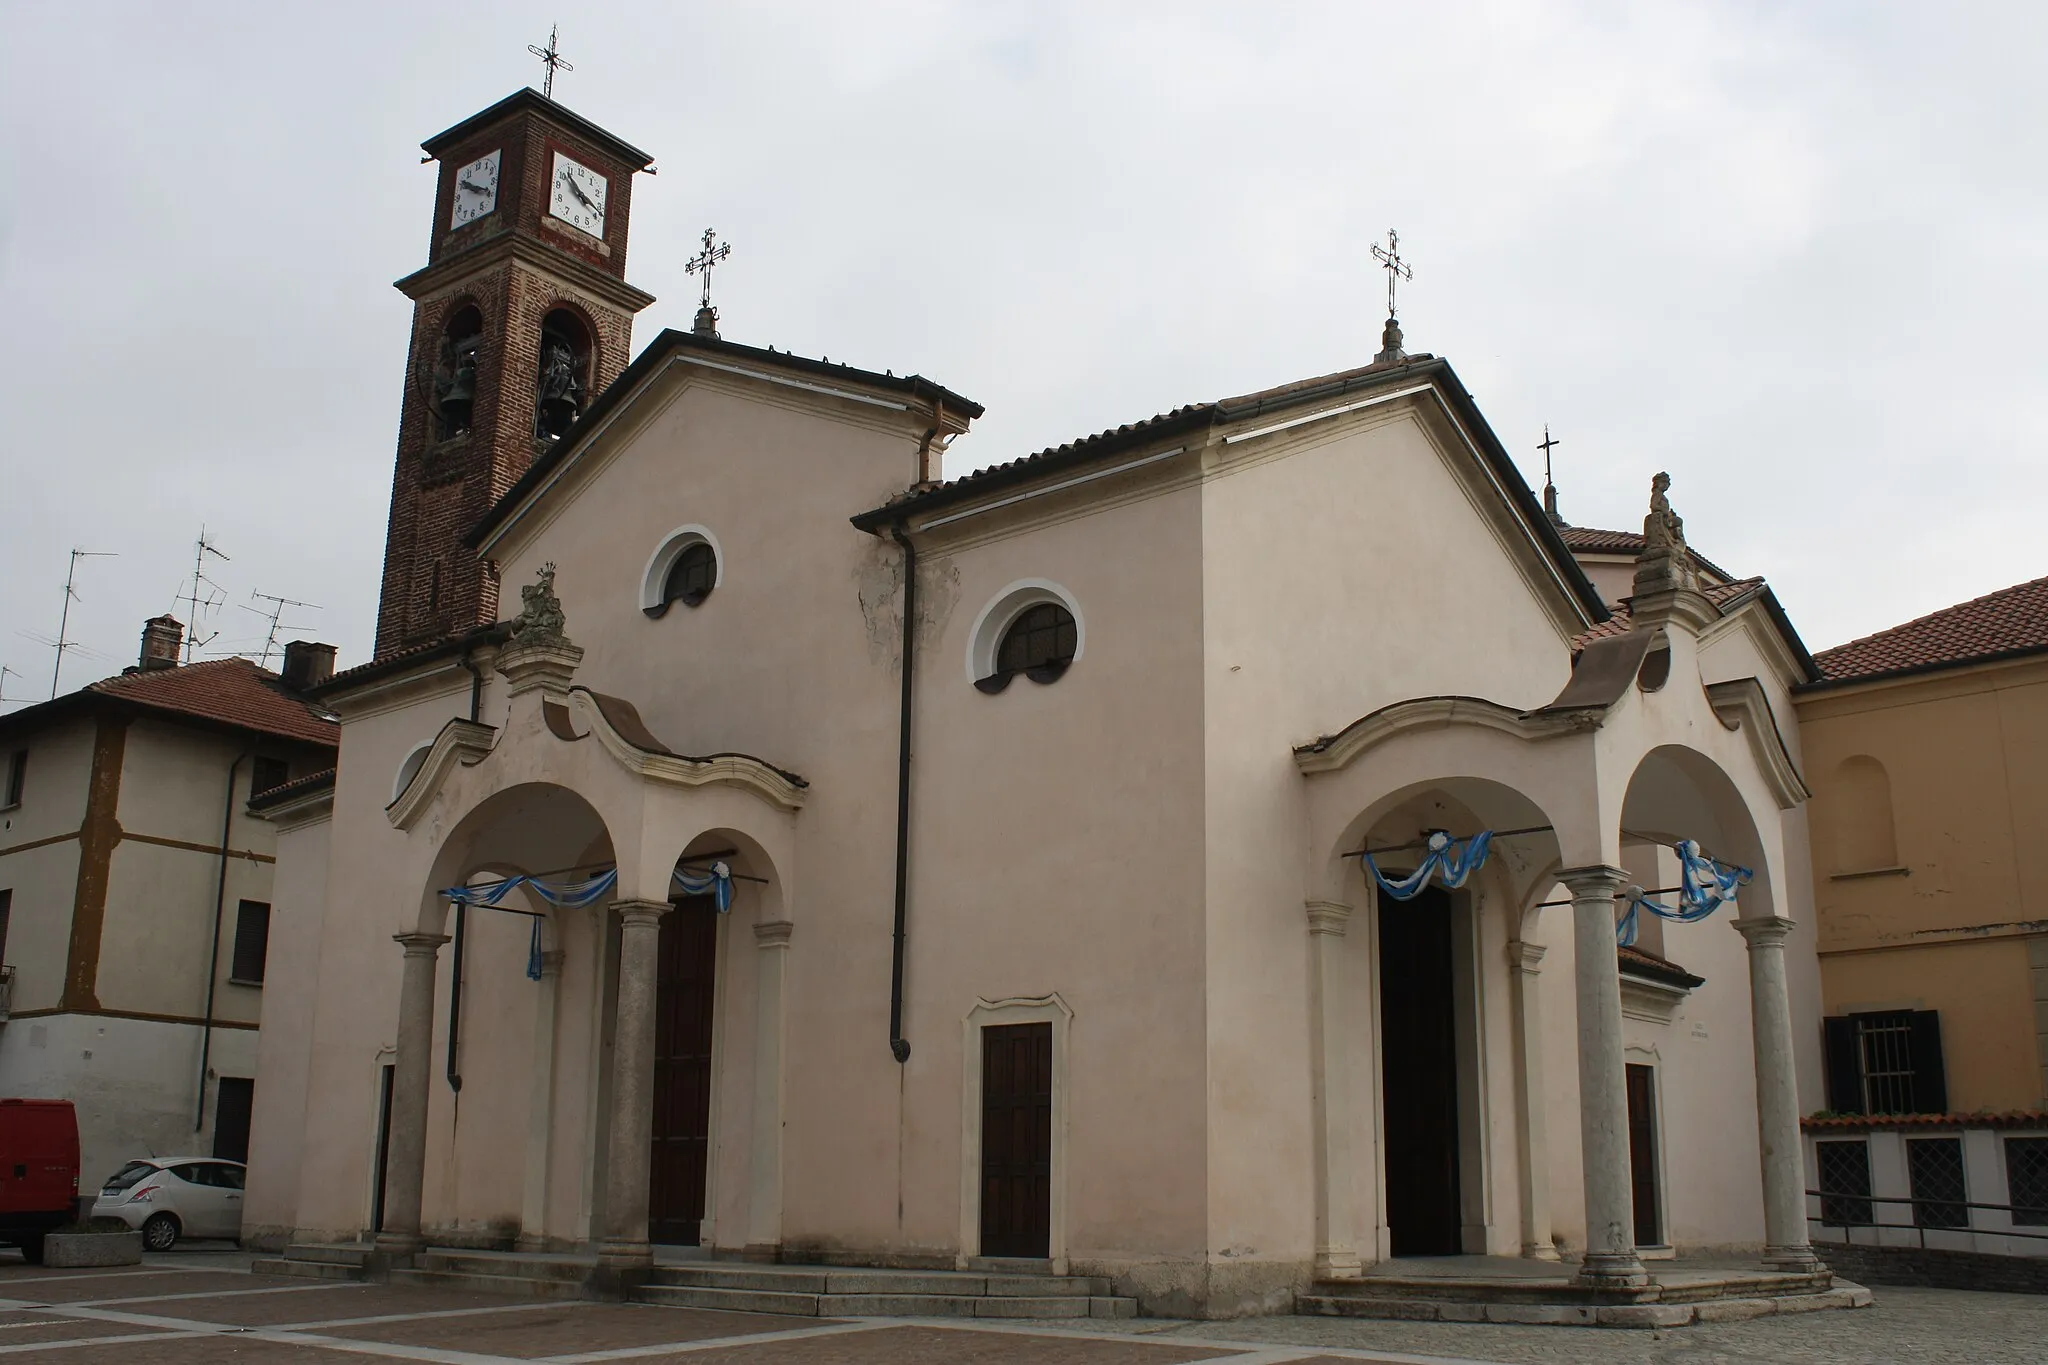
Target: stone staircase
1522 1292
795 1290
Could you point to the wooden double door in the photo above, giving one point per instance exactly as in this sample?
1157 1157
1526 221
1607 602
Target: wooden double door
686 981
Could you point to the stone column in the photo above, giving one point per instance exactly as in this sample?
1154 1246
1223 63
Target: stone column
1337 1255
1525 964
1786 1246
632 1127
405 1154
540 1108
1611 1259
764 1195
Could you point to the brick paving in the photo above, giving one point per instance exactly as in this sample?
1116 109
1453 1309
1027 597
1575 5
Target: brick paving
206 1312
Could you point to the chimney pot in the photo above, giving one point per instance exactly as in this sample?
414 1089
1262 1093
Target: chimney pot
307 664
162 638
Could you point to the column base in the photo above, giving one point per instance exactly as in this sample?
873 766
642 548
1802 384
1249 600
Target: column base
1793 1260
1338 1263
1612 1270
393 1245
1539 1251
620 1254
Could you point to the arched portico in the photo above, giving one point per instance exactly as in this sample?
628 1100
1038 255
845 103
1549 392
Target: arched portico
575 775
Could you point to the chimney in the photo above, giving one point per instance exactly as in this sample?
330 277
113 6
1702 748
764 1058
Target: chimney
307 664
162 638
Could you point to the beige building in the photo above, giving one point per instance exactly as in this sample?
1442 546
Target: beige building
135 893
1926 747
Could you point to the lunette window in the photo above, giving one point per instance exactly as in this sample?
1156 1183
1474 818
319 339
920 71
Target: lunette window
1040 644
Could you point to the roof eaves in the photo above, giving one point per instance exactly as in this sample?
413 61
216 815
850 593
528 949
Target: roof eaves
1824 682
562 114
377 669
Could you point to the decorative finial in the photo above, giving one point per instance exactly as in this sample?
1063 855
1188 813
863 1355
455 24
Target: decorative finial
1665 563
1546 445
540 620
701 263
1397 270
552 59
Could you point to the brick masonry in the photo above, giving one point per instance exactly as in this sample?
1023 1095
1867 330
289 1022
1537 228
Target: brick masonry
515 266
1923 1268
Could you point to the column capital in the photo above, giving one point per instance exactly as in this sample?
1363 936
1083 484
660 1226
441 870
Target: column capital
1525 957
551 962
420 945
641 912
1594 881
1328 917
773 933
1765 931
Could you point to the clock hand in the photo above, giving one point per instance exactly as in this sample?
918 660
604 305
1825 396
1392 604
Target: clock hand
577 190
474 189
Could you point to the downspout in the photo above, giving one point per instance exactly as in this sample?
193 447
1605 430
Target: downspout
220 900
476 706
898 1044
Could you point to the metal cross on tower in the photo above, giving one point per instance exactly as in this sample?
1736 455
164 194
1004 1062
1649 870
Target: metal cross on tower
1546 445
552 59
1397 269
714 251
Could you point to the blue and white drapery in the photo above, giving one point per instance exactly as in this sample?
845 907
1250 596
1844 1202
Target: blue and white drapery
1704 886
715 882
1452 860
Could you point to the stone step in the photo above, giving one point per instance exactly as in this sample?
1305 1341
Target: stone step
522 1285
1557 1314
506 1264
304 1270
835 1280
887 1305
334 1253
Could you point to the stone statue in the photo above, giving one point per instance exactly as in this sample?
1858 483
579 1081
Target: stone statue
540 620
560 399
1665 562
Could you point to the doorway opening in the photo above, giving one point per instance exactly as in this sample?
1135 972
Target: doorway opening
1419 1073
1016 1140
384 1080
686 977
1642 1153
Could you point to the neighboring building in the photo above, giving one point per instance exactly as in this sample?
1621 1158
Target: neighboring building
127 865
1927 750
1110 989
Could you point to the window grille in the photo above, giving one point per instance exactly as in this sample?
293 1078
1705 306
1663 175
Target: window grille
2026 1175
1043 639
1845 1184
1886 1045
1935 1167
692 577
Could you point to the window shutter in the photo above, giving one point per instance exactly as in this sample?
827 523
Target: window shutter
1930 1078
252 941
1844 1065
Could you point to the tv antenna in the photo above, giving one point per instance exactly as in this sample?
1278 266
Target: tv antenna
205 594
276 615
63 641
5 674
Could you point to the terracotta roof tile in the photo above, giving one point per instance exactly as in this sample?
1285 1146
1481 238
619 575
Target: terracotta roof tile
1592 540
285 791
227 692
1724 596
1863 1123
1639 963
2011 620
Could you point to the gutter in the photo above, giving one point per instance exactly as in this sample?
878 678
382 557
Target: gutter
220 900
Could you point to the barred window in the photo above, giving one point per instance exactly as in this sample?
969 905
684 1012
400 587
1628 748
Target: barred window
2026 1178
1888 1062
252 942
1845 1183
692 577
1935 1168
1039 643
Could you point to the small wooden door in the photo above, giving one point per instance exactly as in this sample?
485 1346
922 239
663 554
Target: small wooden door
1642 1152
1419 1074
685 977
1016 1140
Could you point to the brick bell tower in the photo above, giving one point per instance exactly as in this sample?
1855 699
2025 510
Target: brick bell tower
521 317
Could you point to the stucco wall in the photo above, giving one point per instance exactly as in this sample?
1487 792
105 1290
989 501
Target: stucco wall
44 879
278 1132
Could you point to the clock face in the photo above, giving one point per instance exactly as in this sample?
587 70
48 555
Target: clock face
476 190
576 196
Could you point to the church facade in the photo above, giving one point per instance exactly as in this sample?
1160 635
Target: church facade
834 863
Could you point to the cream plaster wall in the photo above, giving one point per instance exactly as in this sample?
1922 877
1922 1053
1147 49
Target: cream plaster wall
44 880
278 1133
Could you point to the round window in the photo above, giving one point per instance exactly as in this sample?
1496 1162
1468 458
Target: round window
692 577
1039 643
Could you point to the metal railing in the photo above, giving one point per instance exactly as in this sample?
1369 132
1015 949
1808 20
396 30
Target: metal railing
1833 1200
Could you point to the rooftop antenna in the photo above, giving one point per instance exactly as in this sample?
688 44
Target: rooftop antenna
1546 445
195 600
276 614
707 316
64 620
552 59
5 674
1397 270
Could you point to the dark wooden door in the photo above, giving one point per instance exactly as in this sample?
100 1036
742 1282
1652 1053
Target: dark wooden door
1016 1140
685 977
1419 1071
1642 1152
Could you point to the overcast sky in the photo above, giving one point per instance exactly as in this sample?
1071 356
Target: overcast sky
1794 255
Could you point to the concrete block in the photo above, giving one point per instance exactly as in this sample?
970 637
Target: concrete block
1451 1311
899 1282
1734 1310
895 1305
1645 1315
79 1250
1034 1307
1544 1314
1106 1306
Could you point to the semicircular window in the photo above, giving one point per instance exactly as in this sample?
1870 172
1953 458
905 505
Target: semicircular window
1040 644
692 577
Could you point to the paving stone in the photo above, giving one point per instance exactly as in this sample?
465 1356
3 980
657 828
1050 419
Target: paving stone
896 1305
570 1329
1076 1307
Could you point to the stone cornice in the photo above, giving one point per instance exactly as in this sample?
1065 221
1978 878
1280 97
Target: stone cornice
1335 752
530 251
460 742
1328 917
773 933
308 809
1742 705
1764 931
676 770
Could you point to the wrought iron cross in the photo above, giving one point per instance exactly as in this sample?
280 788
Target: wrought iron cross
1546 445
552 59
1389 257
703 261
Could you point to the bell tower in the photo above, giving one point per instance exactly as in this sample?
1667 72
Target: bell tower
521 317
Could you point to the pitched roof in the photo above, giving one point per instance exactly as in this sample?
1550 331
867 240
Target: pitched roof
534 100
1591 540
1725 596
288 791
228 692
2010 621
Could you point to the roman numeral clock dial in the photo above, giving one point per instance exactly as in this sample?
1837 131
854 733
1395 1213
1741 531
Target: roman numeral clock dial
476 190
576 196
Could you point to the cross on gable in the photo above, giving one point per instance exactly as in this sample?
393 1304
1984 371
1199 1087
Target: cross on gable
714 251
1397 269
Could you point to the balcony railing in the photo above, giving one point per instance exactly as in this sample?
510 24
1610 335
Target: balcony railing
1851 1210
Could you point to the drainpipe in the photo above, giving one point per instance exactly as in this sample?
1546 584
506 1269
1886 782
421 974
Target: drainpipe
898 1044
220 900
476 706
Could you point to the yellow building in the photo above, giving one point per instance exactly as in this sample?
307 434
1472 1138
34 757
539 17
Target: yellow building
1926 747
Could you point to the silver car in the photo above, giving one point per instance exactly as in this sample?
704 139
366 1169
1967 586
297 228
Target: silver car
169 1197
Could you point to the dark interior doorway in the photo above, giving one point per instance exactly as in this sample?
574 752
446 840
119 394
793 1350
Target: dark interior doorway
233 1105
1642 1153
1419 1070
384 1075
685 977
1016 1140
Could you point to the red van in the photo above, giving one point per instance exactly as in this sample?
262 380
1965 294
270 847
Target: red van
38 1171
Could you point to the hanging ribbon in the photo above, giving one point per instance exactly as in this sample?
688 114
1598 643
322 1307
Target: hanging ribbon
717 883
1453 860
533 953
1704 886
